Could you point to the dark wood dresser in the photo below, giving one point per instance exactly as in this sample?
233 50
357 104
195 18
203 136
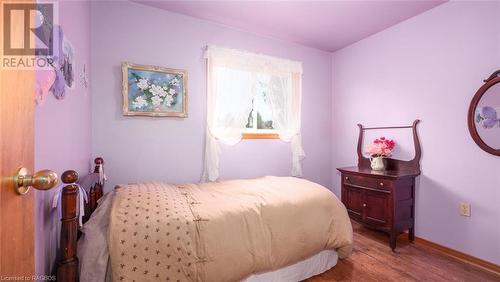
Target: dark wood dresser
383 200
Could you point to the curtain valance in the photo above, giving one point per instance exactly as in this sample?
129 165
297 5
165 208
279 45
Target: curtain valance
246 61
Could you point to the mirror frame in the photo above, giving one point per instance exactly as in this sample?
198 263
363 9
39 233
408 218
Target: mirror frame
489 82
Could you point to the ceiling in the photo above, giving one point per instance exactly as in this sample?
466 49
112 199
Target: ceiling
325 25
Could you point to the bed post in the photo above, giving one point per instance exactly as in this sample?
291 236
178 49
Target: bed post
68 262
67 270
99 163
95 192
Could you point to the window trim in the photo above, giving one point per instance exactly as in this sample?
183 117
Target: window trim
253 135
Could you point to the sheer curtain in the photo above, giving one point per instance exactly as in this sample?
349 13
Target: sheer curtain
285 99
232 76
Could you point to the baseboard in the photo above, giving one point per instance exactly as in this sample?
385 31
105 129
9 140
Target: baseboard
486 265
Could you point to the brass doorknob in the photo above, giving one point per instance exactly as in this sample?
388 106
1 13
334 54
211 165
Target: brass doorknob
41 180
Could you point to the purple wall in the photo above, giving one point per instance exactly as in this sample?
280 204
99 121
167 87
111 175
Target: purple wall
429 67
63 132
171 149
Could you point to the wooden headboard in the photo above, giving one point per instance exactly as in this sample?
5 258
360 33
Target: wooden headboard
67 267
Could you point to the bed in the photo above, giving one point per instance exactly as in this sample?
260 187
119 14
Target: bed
263 229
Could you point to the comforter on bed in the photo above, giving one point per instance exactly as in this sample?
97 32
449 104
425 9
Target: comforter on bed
222 231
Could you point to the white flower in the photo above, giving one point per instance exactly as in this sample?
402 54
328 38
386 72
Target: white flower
162 93
139 102
171 91
156 89
169 100
142 84
156 100
175 82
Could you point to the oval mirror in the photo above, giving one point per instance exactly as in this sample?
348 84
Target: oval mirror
484 115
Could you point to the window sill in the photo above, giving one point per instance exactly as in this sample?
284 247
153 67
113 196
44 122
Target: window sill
260 136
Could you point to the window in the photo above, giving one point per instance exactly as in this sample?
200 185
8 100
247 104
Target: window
260 118
251 96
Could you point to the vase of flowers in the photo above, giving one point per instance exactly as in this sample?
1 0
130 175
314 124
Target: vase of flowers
379 149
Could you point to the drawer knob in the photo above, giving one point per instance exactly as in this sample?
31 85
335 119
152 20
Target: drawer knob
381 183
364 205
347 178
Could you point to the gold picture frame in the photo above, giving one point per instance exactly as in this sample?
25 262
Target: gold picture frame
154 91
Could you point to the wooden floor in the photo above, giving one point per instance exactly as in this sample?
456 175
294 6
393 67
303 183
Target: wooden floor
373 260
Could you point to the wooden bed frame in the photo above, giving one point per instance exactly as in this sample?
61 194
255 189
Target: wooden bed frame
67 267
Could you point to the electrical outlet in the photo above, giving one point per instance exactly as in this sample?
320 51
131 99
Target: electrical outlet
464 209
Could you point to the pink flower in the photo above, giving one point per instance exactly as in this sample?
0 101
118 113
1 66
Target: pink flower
381 147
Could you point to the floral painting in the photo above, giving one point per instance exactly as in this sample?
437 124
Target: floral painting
154 91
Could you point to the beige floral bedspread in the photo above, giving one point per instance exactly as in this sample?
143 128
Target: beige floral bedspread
222 231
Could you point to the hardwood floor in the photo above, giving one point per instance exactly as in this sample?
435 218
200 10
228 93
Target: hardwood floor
373 260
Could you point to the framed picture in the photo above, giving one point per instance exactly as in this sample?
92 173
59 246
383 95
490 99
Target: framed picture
154 91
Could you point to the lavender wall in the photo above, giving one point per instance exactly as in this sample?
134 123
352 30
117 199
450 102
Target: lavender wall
429 67
171 149
63 132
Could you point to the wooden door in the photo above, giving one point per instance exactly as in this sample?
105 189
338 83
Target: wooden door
376 208
16 149
353 201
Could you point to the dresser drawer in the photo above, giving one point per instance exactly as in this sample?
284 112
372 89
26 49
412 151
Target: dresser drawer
368 182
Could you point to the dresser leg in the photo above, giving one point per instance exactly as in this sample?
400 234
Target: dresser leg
411 234
392 240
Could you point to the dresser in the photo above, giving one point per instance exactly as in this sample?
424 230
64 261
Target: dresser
383 200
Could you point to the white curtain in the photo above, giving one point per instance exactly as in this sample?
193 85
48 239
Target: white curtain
232 76
285 99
